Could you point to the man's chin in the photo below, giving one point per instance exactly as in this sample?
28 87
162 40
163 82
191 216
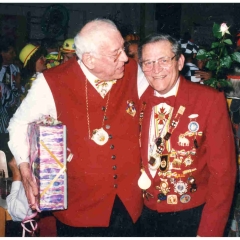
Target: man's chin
118 76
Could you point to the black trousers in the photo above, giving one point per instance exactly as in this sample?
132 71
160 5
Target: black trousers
173 224
121 225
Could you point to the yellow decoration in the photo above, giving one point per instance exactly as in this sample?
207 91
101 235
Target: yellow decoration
27 52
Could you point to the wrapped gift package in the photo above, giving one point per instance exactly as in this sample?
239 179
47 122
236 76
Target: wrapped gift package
48 161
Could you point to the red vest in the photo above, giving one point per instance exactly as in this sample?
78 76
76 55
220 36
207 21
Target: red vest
96 173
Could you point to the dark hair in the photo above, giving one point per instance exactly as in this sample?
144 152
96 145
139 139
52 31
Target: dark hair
128 44
153 38
30 68
188 56
5 44
186 37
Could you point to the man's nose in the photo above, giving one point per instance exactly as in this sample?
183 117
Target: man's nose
157 67
123 57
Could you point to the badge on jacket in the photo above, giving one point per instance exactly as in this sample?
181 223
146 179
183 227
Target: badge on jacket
131 108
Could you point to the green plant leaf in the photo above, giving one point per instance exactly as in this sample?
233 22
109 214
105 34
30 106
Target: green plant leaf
201 54
226 62
212 54
211 65
225 52
236 56
216 31
228 41
215 44
225 83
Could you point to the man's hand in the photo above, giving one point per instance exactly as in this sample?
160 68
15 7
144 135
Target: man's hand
204 75
29 184
15 170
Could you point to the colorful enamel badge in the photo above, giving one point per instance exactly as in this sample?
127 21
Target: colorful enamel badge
185 198
172 199
131 108
180 187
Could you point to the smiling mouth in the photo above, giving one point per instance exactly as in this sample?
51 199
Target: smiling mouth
160 77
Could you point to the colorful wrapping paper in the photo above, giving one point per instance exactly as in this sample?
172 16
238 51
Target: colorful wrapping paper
48 159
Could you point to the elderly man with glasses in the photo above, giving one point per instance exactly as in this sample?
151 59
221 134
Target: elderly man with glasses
187 146
91 97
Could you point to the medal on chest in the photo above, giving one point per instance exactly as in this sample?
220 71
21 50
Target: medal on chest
193 126
99 136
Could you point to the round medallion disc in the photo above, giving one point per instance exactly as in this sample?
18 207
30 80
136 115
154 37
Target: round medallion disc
193 126
100 136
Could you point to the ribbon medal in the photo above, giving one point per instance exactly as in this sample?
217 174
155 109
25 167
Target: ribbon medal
193 126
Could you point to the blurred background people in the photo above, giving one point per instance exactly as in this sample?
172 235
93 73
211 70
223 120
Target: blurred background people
131 49
131 45
189 50
53 56
203 72
34 63
9 91
68 50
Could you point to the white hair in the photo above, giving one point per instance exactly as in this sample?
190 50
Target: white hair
89 39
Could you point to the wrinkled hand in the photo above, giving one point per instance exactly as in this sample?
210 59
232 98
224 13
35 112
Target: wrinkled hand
29 184
16 175
204 75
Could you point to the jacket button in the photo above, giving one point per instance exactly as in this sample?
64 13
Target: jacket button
112 146
105 118
115 176
103 108
115 185
110 136
114 167
113 157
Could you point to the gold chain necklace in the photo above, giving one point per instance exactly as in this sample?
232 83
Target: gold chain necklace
99 136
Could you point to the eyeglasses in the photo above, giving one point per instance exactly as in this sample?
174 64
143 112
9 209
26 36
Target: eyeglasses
163 62
115 57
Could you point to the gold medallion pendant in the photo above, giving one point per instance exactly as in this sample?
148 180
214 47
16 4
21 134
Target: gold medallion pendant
99 136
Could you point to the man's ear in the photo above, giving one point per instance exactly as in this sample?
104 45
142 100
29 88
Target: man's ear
181 62
88 60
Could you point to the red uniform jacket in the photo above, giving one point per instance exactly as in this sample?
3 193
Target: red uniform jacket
97 173
213 162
